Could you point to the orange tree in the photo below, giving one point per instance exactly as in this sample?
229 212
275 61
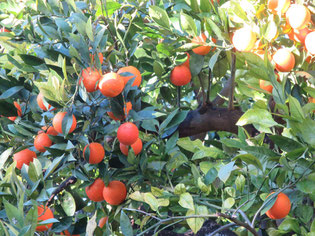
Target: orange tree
157 117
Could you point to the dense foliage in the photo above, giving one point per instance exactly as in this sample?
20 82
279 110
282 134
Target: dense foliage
176 182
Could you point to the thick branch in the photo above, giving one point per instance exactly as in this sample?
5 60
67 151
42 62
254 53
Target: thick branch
211 119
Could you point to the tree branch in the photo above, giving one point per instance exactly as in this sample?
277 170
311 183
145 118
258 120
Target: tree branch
232 87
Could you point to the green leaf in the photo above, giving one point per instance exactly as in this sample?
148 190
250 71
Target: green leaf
290 224
160 16
228 203
179 189
151 200
67 123
168 120
89 30
53 166
68 204
4 157
186 201
249 159
257 116
285 143
11 91
295 109
211 176
214 59
214 27
307 130
196 63
125 225
13 213
137 196
31 60
196 223
188 25
225 171
240 183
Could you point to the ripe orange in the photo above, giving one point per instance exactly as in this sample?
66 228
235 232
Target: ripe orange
40 101
266 85
135 73
42 141
127 133
111 85
244 39
19 112
97 153
298 16
115 193
100 57
309 42
90 78
201 40
24 157
278 6
4 30
66 232
95 191
284 60
180 75
57 122
44 213
136 147
281 207
186 63
51 131
299 35
102 221
127 108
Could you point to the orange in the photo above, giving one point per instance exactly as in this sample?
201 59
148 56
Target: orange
115 193
19 112
100 57
66 232
95 191
299 35
127 108
284 60
309 42
44 213
298 16
24 157
4 30
42 141
90 78
186 63
244 39
268 87
127 133
111 85
40 101
102 221
201 40
48 130
132 70
280 208
180 75
136 147
57 122
276 6
97 153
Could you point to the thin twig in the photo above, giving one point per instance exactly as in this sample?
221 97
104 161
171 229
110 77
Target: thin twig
204 99
178 96
62 186
143 212
233 70
221 229
209 87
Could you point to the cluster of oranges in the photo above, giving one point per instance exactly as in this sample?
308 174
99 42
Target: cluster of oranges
110 85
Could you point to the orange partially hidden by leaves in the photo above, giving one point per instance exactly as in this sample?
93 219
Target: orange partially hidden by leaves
278 6
244 39
284 60
44 213
49 131
42 141
311 100
127 133
201 40
180 75
123 73
309 43
4 30
127 108
111 85
186 63
97 153
90 78
19 112
115 193
24 157
102 221
40 101
266 85
298 16
66 232
280 208
100 57
299 35
95 191
136 147
57 122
